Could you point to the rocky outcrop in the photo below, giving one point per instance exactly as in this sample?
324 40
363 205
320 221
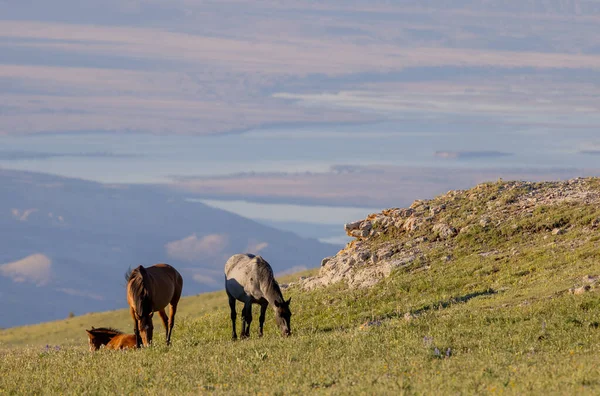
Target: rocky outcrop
359 266
402 237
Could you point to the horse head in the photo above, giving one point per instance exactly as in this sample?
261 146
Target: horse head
142 304
94 342
144 317
283 316
145 325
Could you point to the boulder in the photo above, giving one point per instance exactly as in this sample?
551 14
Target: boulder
349 227
411 224
325 261
444 230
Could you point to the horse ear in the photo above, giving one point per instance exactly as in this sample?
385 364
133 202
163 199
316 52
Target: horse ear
89 332
289 301
93 328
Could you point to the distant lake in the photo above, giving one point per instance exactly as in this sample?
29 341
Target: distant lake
143 158
309 221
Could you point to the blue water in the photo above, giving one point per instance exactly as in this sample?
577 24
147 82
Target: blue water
141 158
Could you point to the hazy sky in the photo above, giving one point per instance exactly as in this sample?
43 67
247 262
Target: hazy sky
300 114
129 91
201 67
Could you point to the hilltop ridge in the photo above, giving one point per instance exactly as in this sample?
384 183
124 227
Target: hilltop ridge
501 219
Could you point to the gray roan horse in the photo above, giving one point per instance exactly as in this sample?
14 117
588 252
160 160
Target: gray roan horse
249 279
150 290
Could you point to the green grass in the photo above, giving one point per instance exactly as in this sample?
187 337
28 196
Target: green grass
499 322
510 330
70 332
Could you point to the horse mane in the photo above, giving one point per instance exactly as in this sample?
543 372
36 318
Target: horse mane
128 274
267 280
105 330
139 290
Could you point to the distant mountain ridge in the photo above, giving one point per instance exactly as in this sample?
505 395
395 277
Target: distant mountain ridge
66 243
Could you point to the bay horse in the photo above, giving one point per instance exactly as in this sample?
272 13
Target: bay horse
150 290
249 279
112 338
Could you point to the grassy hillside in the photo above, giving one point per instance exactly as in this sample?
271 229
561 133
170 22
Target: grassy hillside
508 306
71 332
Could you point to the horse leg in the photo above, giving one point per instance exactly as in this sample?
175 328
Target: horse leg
261 319
172 311
246 319
244 315
233 314
165 320
136 328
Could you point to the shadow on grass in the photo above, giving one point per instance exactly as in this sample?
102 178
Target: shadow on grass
329 329
453 300
438 305
377 320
